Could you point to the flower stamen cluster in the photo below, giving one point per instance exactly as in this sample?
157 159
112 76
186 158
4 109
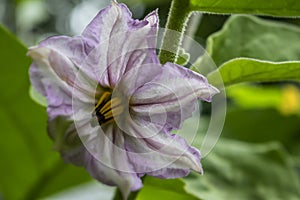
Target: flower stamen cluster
107 108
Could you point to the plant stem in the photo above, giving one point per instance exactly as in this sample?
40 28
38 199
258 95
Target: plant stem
119 196
178 16
132 195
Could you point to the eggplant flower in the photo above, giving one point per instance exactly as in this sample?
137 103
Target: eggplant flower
112 105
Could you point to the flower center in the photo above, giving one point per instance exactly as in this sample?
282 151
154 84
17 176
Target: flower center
107 108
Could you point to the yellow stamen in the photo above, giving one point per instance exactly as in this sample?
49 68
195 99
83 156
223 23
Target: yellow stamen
110 104
107 109
114 112
103 98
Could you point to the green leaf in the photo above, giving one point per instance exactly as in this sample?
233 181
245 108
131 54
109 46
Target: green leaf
272 7
236 170
162 189
252 37
29 168
251 70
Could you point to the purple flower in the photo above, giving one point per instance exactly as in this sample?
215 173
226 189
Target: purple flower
112 105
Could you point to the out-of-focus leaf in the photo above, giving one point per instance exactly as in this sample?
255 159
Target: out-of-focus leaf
262 125
87 191
28 167
250 70
251 96
208 25
236 170
252 37
285 99
264 113
274 7
26 19
162 189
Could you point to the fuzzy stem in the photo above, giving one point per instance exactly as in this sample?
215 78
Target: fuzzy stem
178 16
118 195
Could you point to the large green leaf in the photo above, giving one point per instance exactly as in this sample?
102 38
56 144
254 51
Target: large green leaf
252 37
160 189
271 7
251 70
236 170
28 167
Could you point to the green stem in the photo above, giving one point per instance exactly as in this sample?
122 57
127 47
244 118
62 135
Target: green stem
178 16
119 196
132 195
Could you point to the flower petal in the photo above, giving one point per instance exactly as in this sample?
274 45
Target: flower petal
74 48
62 131
162 155
53 75
46 82
102 158
119 43
108 161
170 95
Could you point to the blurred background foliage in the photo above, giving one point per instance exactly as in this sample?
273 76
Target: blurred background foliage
257 157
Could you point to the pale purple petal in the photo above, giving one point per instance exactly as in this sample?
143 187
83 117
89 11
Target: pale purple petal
117 17
62 131
167 92
74 48
46 82
163 155
119 43
53 75
108 161
104 166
